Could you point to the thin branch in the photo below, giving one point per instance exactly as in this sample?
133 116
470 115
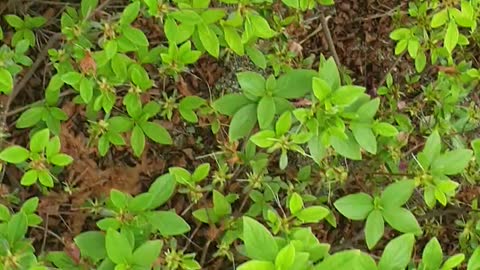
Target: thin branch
328 35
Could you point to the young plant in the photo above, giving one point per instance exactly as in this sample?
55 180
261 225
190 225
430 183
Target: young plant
432 257
436 167
109 131
191 181
221 209
11 62
142 126
24 28
16 250
262 99
376 210
341 117
299 215
280 139
43 152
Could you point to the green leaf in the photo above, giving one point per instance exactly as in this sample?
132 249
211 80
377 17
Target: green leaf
30 117
329 73
265 112
4 213
110 47
285 257
168 223
45 178
398 193
243 122
14 21
14 154
87 7
137 141
39 140
130 13
364 136
6 81
61 160
347 94
321 89
385 129
29 178
355 206
233 40
401 220
348 148
451 36
312 214
474 261
453 262
260 26
221 206
30 205
119 249
374 228
230 104
452 162
295 83
86 89
420 61
259 243
156 132
257 265
347 260
201 172
136 36
432 255
206 215
439 18
326 2
397 253
181 175
186 16
257 57
251 83
283 162
146 254
264 138
17 227
431 150
162 189
209 40
119 124
284 123
91 245
177 33
295 204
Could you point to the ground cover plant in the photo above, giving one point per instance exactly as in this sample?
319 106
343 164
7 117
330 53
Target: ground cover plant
239 134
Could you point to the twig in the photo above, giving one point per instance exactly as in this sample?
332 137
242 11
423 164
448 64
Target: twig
331 45
26 107
391 68
316 31
381 15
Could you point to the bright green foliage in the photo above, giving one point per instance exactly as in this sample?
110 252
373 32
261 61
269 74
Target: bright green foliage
440 24
17 251
43 153
385 208
261 100
24 28
256 201
436 168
